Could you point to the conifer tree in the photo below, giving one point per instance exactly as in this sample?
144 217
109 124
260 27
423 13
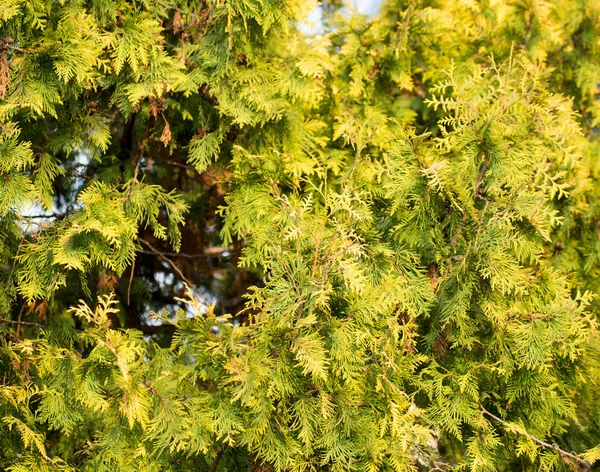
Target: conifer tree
229 244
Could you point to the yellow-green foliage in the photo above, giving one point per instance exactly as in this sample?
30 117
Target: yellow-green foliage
409 199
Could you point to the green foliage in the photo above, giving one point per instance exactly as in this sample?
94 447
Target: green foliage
375 248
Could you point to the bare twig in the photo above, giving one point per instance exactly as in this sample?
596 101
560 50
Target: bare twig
164 256
141 145
210 251
179 164
57 216
26 323
19 320
130 282
160 397
138 161
582 462
22 239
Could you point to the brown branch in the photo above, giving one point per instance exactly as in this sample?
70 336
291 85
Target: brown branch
179 164
438 466
164 256
130 282
26 323
79 175
215 463
135 172
585 464
160 397
141 144
57 216
22 239
19 320
210 251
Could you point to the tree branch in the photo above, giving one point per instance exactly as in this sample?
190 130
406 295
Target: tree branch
26 323
56 216
179 164
215 463
164 256
210 251
130 282
585 464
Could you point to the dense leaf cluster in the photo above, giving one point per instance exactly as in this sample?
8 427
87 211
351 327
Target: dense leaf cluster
228 244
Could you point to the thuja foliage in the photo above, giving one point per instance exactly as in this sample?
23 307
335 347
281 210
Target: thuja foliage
227 243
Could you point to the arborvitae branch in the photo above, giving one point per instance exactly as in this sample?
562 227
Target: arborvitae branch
583 463
345 165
